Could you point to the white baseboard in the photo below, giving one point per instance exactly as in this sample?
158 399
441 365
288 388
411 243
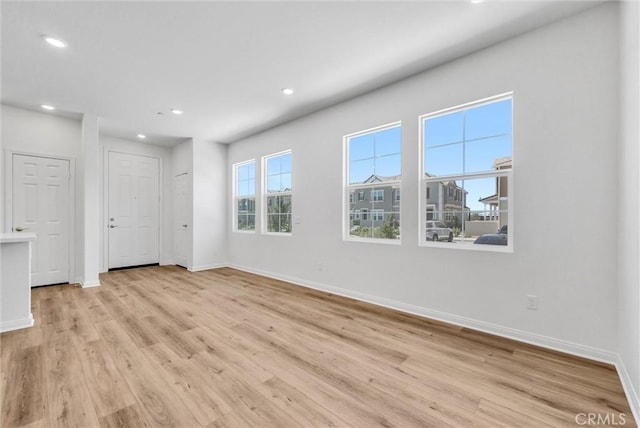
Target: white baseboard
16 324
498 330
207 267
89 284
629 390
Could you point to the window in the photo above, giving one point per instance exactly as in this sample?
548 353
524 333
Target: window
467 170
245 196
278 189
373 162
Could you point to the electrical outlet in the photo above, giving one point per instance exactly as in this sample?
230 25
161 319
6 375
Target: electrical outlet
532 302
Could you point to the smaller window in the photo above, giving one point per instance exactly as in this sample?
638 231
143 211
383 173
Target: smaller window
278 173
244 195
373 173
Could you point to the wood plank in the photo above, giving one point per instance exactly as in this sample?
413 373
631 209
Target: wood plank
108 389
162 346
23 400
130 416
67 394
159 403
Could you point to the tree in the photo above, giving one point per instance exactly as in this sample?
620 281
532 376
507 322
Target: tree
391 228
279 214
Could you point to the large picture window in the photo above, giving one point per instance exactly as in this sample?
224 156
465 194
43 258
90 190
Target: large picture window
467 175
245 196
278 189
374 168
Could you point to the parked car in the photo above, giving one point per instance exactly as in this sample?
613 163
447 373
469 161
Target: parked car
500 238
438 231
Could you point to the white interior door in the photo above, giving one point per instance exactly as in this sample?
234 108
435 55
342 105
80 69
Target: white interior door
41 205
133 210
181 219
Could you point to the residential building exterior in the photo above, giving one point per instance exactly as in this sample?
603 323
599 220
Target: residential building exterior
369 206
446 201
498 203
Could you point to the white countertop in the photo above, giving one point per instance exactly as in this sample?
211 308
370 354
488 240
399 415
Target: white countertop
17 237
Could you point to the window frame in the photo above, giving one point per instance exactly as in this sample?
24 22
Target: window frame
361 188
236 197
423 182
264 223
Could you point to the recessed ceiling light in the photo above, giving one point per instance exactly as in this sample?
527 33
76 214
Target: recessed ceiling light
176 111
477 1
55 42
142 136
47 107
287 91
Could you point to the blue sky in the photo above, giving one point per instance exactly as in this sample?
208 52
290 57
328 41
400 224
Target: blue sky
461 142
279 173
246 180
376 153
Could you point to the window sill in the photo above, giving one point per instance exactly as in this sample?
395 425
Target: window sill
245 232
469 247
373 241
277 233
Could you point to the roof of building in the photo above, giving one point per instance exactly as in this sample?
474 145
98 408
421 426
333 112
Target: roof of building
503 163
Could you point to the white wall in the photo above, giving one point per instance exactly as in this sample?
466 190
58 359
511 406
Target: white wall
565 123
628 201
205 164
209 205
89 182
164 154
182 163
43 134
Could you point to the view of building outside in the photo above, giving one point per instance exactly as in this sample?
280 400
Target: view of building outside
278 197
467 159
375 164
245 175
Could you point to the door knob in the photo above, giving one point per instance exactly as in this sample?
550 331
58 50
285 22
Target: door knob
20 228
184 225
113 225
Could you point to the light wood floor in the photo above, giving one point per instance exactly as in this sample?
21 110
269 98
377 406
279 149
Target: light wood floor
164 347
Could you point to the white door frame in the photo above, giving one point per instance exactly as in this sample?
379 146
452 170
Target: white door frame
105 204
189 255
8 195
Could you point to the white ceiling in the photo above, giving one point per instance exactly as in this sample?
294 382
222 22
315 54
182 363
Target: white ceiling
225 63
